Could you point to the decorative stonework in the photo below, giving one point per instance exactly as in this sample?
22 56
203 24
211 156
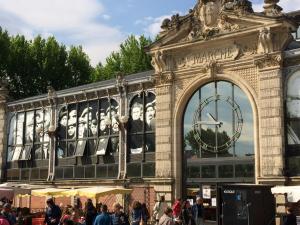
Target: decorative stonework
250 75
158 62
164 78
272 9
265 41
206 56
268 61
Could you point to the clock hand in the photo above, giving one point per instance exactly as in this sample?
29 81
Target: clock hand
210 116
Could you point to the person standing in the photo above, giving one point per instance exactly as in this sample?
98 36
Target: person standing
104 218
186 214
90 212
176 208
159 209
119 217
166 218
137 214
290 218
198 211
53 213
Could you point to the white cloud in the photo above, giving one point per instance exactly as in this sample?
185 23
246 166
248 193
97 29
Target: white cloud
287 5
152 25
73 22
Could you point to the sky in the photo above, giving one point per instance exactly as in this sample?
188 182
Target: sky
99 26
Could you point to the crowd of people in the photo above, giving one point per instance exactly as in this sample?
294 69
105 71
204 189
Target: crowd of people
182 213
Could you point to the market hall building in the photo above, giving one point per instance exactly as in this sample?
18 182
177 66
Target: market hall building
221 106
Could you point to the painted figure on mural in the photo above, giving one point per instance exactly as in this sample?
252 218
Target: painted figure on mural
293 109
136 125
150 116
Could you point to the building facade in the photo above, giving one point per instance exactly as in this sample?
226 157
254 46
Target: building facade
221 106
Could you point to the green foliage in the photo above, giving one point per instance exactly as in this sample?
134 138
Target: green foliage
30 66
130 59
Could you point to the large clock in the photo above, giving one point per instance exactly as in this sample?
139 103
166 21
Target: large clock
210 132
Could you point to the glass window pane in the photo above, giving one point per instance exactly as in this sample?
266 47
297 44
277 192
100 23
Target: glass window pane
17 153
134 170
293 164
101 171
72 122
208 171
10 153
136 115
149 170
12 131
62 123
79 171
113 171
92 146
25 174
114 144
29 127
35 174
71 149
136 144
150 143
150 112
293 132
244 170
68 172
80 147
59 172
61 149
102 146
244 146
43 173
93 123
89 172
226 171
194 172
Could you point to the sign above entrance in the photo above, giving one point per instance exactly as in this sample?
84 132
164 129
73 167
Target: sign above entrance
198 58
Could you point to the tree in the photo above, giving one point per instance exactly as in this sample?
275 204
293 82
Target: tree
131 58
30 66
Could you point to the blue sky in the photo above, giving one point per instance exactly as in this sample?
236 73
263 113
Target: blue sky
98 25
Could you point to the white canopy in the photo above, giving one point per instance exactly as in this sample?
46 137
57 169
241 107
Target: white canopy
293 192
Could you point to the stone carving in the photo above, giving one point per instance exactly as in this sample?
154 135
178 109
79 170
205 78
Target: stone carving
158 62
269 61
265 41
272 9
239 6
212 68
208 18
164 78
200 58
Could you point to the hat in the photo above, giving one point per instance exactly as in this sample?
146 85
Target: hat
151 104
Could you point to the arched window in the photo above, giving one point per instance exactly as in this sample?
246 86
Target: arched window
293 123
218 134
141 136
27 131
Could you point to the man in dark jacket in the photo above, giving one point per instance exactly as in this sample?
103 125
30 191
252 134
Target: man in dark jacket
290 218
53 213
198 211
90 212
119 217
104 218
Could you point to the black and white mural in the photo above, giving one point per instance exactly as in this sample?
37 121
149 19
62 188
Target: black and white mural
293 109
88 128
27 131
142 123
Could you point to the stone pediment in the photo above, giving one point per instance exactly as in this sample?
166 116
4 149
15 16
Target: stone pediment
210 19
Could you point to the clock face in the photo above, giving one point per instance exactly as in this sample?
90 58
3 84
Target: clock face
213 134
